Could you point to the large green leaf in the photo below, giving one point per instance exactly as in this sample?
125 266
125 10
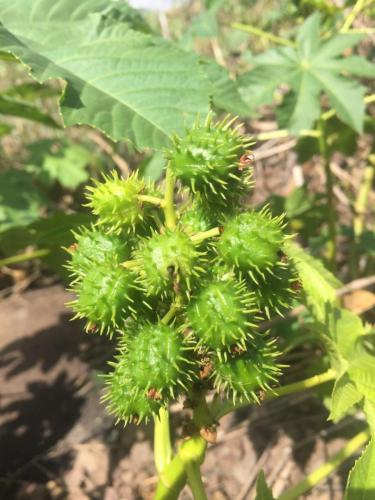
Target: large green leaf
127 83
315 65
361 482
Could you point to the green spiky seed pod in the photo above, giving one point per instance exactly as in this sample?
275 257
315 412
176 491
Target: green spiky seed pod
223 315
207 161
243 374
105 297
166 262
158 359
118 203
276 293
252 241
93 248
125 403
196 219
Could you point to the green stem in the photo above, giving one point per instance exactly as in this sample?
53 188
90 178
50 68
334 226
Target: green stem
162 440
153 200
204 235
172 311
194 480
173 477
169 211
220 408
326 469
360 208
331 245
129 264
359 5
263 34
362 198
283 133
15 259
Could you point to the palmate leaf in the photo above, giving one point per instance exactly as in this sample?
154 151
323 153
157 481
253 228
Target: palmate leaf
314 66
128 83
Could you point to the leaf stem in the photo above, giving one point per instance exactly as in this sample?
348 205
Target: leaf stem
263 34
204 235
172 311
220 408
326 469
194 480
359 5
173 477
159 202
15 259
129 264
169 211
331 245
162 440
360 207
283 133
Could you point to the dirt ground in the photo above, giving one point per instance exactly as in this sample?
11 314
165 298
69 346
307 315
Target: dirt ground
58 442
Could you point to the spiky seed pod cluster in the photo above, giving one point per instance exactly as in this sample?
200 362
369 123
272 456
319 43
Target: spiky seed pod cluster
207 160
185 300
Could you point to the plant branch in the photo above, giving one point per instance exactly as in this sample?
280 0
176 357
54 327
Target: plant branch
194 480
360 208
15 259
153 200
220 408
173 477
331 246
162 440
169 211
263 34
359 5
204 235
326 469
